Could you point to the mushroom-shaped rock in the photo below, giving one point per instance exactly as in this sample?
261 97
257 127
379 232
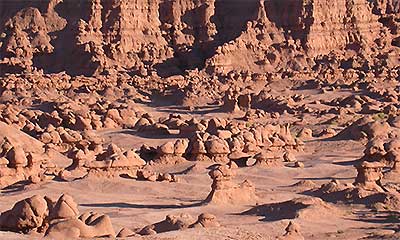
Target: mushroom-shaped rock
171 152
225 191
374 151
268 158
369 175
198 150
218 149
239 158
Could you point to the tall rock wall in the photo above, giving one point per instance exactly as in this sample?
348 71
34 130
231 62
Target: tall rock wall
347 23
170 36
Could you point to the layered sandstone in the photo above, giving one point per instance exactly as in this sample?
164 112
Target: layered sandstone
141 37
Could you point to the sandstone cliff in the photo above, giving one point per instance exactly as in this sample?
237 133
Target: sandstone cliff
170 36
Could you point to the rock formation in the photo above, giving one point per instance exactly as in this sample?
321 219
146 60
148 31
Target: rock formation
170 223
180 222
66 222
58 219
225 191
125 91
172 152
206 220
172 36
369 175
23 158
109 162
304 207
393 156
371 187
267 143
26 215
292 232
151 176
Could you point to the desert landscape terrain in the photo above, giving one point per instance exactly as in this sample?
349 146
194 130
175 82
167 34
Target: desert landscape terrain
200 119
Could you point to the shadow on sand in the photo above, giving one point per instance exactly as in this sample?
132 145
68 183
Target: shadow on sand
142 206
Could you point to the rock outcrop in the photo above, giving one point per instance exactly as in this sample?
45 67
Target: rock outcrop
305 207
23 158
292 232
225 191
172 36
59 219
65 222
180 222
371 187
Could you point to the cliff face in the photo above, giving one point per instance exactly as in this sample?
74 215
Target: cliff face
170 36
347 24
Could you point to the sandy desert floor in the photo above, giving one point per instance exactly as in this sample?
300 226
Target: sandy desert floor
206 119
134 203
